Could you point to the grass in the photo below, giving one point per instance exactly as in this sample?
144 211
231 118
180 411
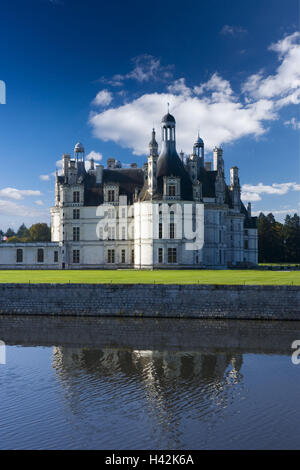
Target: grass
233 277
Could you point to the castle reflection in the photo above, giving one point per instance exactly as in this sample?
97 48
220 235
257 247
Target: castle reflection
174 385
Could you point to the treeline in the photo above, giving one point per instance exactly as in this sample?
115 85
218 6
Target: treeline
36 233
277 242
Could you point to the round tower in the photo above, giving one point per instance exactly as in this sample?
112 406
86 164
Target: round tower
198 150
79 152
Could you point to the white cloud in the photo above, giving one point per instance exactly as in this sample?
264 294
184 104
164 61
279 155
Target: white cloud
97 156
220 122
103 98
284 85
253 192
293 123
179 87
232 30
222 115
12 208
250 197
146 68
45 177
39 202
18 194
219 88
276 212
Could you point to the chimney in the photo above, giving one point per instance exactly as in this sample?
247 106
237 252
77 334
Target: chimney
218 159
234 176
249 209
66 160
111 163
99 174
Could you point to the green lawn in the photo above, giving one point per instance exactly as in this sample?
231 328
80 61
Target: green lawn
149 277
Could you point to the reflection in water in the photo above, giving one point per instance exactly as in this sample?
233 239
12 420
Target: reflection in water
148 384
175 384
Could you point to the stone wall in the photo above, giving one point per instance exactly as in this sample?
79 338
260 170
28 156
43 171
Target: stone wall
151 334
144 300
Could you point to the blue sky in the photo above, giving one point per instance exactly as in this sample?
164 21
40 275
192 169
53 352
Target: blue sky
103 72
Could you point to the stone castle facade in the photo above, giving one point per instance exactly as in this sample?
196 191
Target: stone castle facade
173 213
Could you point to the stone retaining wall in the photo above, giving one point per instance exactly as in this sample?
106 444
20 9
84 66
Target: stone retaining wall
144 300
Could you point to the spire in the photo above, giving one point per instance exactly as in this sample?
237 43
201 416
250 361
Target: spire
153 145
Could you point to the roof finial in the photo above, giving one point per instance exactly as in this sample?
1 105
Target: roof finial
168 108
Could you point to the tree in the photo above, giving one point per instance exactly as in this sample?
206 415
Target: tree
291 232
40 233
23 232
270 239
10 233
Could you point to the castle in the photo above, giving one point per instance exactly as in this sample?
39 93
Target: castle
173 213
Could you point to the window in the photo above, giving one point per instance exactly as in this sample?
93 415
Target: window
76 196
40 255
76 256
246 244
123 256
246 233
160 230
55 256
76 213
132 256
19 255
110 256
172 255
172 230
160 255
111 195
123 233
76 234
172 190
123 213
111 233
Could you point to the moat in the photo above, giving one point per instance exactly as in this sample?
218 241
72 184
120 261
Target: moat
105 383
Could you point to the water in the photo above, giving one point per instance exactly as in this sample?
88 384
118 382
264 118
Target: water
148 384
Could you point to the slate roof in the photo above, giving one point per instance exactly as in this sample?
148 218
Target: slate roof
128 180
168 118
131 180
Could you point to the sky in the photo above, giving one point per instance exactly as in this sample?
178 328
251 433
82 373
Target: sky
103 72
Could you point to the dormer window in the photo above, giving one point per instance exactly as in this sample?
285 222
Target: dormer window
76 196
111 195
172 190
171 187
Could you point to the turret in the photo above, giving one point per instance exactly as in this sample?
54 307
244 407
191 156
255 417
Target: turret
152 164
170 168
198 151
79 158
